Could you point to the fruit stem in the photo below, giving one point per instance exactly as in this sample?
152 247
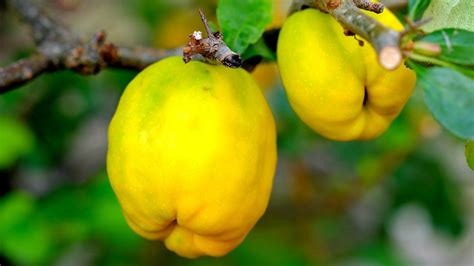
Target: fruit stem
211 50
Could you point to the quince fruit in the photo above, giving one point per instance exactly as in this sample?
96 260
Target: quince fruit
192 155
336 86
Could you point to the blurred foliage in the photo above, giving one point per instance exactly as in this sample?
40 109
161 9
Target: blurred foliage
421 180
417 8
16 139
333 203
470 154
36 231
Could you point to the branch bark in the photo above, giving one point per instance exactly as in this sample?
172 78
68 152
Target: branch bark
22 71
369 5
58 49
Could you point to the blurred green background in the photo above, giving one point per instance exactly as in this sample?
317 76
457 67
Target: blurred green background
405 198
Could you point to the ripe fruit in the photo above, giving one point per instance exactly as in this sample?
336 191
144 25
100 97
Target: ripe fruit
334 85
192 154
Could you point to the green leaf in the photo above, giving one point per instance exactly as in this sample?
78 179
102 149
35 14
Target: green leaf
449 14
427 60
450 97
243 22
457 46
16 140
259 49
416 8
470 154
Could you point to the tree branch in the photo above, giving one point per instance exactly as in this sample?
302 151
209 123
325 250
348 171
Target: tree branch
212 49
22 71
58 49
385 41
136 58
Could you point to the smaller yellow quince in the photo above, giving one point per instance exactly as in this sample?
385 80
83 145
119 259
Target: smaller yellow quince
334 85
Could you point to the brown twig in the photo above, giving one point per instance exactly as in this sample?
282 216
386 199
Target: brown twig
212 49
22 71
385 41
369 5
58 48
414 26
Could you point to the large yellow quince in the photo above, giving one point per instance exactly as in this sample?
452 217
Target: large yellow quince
192 154
334 85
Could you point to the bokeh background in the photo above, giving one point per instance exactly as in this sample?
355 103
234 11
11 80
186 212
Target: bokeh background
406 198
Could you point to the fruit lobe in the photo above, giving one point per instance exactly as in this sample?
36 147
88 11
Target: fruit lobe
334 85
192 154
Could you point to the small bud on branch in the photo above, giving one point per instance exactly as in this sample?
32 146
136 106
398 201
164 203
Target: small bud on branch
427 48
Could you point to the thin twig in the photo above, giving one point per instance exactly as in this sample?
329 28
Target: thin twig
206 24
369 5
136 58
414 26
22 71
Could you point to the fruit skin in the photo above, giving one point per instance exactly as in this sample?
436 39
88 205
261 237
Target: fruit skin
192 155
325 75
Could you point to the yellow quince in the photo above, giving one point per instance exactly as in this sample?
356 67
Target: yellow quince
336 86
192 154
